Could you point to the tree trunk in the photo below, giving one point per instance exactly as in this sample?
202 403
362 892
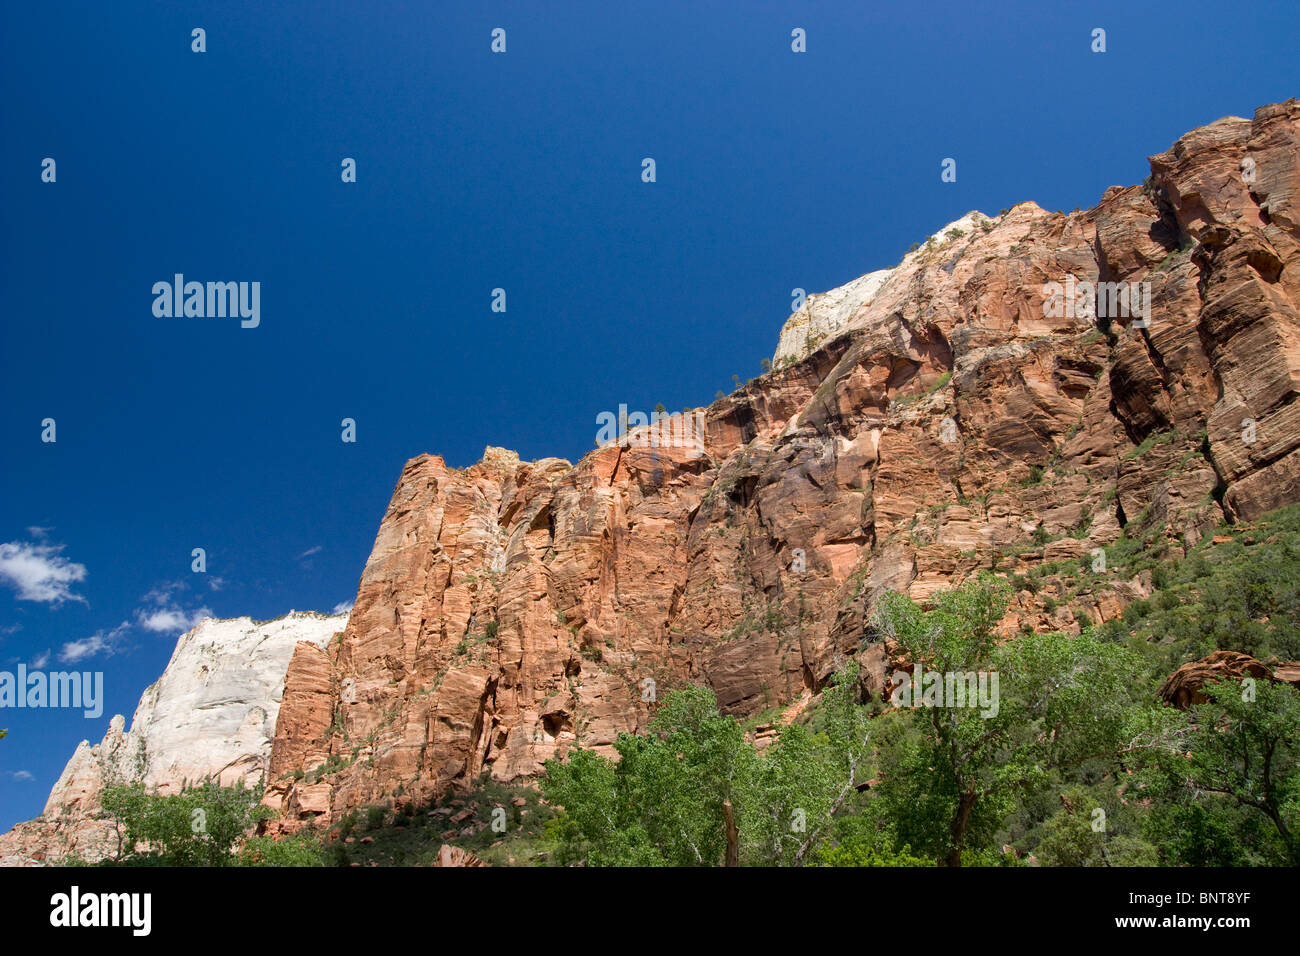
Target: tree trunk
733 835
959 824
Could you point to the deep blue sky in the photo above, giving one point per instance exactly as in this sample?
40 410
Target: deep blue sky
475 171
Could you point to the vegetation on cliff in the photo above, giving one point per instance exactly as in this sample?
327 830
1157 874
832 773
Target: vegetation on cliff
203 825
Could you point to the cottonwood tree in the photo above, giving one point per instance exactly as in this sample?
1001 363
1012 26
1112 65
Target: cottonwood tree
201 826
662 803
1229 770
694 792
951 774
804 779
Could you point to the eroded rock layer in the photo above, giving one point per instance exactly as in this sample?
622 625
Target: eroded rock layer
921 423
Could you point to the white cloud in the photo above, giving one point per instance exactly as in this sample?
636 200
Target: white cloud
40 660
216 583
107 643
343 607
310 551
39 572
163 613
162 593
21 775
170 618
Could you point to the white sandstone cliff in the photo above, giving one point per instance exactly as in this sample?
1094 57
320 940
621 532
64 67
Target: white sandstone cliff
210 715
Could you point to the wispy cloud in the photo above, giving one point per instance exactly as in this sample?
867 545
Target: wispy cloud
40 660
216 583
39 572
163 593
20 775
107 642
164 619
163 612
343 607
310 551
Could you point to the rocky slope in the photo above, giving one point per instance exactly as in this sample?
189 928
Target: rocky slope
921 423
212 714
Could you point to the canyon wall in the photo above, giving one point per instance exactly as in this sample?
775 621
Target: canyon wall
954 413
920 424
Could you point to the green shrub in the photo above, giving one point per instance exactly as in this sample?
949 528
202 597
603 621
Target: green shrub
203 825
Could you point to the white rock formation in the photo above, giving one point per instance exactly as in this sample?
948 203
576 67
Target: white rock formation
210 715
827 314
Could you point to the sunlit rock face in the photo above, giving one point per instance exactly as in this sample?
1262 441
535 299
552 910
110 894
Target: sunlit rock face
953 413
920 423
211 715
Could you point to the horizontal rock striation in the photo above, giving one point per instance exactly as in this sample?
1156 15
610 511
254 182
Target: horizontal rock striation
921 423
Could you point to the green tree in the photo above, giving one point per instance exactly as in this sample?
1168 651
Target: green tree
123 805
665 802
662 803
197 827
805 779
953 773
300 850
1094 827
865 851
1231 772
203 825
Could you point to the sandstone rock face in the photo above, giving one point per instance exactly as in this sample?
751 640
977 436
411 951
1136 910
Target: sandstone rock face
970 408
212 714
455 856
1184 686
827 313
953 413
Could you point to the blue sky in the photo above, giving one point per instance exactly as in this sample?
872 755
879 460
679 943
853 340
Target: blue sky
475 171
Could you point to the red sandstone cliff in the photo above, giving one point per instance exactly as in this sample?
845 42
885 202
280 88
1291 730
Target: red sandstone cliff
513 609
